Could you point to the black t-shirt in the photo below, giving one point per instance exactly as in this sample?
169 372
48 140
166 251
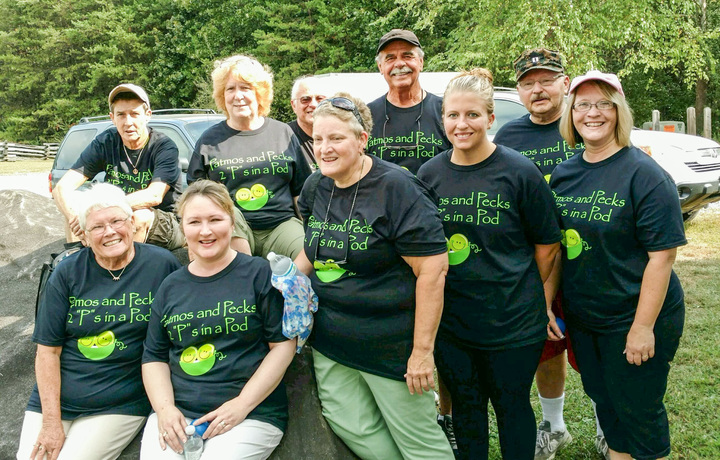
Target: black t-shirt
612 213
543 144
407 136
494 213
100 325
157 162
213 332
366 317
306 144
263 169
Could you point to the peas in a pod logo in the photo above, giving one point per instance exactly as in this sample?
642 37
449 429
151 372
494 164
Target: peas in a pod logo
574 243
458 249
197 361
253 198
97 347
328 271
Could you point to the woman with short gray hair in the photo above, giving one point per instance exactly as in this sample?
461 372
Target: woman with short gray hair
89 401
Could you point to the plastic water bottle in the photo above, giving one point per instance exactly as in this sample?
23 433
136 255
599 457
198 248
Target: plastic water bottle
281 265
193 448
200 429
300 299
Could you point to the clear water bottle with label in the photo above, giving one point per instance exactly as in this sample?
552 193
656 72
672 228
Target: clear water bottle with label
300 299
193 448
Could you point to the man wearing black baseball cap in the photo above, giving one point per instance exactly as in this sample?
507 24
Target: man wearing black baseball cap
142 162
407 121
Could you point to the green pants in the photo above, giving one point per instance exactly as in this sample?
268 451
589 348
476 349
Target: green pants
377 417
286 239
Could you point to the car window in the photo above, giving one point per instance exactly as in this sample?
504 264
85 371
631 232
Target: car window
504 112
184 149
196 128
72 147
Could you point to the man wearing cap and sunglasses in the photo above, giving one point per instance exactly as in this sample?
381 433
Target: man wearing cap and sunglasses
407 121
142 162
542 86
307 93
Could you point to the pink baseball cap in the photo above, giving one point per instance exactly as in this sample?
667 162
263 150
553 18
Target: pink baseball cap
609 78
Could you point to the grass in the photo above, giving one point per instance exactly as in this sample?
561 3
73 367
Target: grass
25 166
693 396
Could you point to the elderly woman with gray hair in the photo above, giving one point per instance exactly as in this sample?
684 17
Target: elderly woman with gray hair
89 401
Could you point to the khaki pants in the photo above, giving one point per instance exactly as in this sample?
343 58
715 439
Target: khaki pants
286 239
96 437
250 440
377 417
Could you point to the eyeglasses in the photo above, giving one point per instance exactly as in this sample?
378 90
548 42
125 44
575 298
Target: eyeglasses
586 106
330 264
305 100
545 82
324 265
403 148
344 104
115 224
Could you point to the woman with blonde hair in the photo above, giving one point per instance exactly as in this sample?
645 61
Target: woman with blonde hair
623 303
215 351
257 158
499 218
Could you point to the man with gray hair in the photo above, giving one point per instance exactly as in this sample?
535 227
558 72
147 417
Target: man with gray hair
307 93
407 120
542 85
142 162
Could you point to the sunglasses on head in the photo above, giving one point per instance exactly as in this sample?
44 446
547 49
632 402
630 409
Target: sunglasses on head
344 104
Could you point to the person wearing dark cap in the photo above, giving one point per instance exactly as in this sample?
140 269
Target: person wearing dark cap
542 85
407 121
142 162
623 303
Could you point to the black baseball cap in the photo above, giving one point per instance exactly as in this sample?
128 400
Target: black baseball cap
398 34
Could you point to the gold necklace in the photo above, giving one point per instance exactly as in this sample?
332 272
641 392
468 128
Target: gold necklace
117 278
134 165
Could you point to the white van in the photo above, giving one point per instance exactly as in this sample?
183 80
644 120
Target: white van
692 161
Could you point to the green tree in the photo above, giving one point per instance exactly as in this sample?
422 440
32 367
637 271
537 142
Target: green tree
316 36
60 60
659 42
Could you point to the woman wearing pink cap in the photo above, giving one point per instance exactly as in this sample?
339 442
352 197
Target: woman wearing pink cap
623 303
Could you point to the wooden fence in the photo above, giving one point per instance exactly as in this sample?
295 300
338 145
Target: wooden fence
13 152
679 126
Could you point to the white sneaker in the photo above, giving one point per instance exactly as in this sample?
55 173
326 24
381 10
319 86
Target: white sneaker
602 447
548 442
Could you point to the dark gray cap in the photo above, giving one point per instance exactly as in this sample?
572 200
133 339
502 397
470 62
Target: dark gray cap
398 34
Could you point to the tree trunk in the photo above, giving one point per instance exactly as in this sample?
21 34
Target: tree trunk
701 87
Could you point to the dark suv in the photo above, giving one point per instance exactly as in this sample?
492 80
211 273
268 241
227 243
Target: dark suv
183 126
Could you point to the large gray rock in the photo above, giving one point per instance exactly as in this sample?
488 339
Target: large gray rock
31 229
308 435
